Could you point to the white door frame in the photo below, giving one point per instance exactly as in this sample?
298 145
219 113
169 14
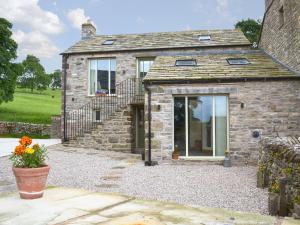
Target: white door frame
214 157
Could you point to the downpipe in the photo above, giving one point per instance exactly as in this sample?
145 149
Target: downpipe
149 162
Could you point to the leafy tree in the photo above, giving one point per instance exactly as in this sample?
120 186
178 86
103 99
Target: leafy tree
251 29
55 79
8 70
33 75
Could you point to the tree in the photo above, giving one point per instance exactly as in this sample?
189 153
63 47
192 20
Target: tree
251 29
55 79
33 75
8 70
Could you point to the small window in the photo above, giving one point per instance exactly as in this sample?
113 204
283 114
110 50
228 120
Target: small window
97 115
238 61
186 62
204 37
108 42
281 17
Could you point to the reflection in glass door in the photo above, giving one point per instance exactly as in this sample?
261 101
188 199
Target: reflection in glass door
179 125
200 125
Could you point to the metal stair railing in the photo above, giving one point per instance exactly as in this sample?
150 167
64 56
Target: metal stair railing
100 108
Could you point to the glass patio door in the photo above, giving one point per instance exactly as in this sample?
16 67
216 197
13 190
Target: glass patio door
200 125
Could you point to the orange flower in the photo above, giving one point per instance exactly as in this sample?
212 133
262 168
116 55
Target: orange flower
19 150
36 147
25 141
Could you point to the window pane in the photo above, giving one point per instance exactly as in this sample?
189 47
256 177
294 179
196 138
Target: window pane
103 75
144 67
221 124
93 69
191 62
179 124
200 126
112 76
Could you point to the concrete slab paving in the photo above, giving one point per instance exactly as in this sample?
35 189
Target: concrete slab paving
7 145
74 206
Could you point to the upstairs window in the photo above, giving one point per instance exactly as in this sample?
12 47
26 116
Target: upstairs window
144 65
186 62
109 42
281 17
204 37
238 61
102 76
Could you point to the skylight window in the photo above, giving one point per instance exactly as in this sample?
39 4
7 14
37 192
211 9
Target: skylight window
109 42
204 37
238 61
186 62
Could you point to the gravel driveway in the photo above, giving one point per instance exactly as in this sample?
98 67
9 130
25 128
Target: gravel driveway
197 184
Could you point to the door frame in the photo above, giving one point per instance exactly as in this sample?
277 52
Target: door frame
214 157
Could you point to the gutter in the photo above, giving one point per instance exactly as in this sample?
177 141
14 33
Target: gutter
223 80
149 162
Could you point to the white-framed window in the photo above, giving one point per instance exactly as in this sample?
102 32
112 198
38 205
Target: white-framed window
201 125
102 76
144 65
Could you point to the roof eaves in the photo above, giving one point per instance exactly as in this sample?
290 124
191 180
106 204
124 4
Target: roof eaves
218 80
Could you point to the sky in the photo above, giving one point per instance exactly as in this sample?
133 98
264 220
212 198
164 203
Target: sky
45 28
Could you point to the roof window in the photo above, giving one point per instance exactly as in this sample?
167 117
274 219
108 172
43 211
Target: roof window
204 37
238 61
108 42
186 62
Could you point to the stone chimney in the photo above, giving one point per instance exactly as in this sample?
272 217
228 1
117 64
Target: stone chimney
87 30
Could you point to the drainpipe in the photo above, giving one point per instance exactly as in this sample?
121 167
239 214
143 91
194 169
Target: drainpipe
64 61
149 162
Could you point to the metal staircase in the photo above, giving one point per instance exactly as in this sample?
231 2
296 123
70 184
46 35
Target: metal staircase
89 116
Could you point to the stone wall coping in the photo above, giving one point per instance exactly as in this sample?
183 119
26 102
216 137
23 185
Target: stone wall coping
287 146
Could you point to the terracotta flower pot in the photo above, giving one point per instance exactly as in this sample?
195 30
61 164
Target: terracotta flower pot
31 182
175 155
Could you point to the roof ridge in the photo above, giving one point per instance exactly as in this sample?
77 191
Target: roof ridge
166 32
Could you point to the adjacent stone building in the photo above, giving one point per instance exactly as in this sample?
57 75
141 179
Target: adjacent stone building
209 93
280 35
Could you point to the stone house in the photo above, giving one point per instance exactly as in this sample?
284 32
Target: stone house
280 36
208 91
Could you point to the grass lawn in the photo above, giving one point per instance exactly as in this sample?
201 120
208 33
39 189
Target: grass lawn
36 107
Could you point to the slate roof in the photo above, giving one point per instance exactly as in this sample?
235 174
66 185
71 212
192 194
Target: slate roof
215 66
163 40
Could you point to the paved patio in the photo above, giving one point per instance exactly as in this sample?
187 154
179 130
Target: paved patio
194 184
74 206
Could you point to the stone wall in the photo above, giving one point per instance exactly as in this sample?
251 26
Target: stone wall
55 127
24 128
271 107
282 41
114 134
279 163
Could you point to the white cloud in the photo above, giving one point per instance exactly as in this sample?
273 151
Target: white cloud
140 20
30 14
77 17
38 23
35 43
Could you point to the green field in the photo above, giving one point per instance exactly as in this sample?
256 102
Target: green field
36 107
